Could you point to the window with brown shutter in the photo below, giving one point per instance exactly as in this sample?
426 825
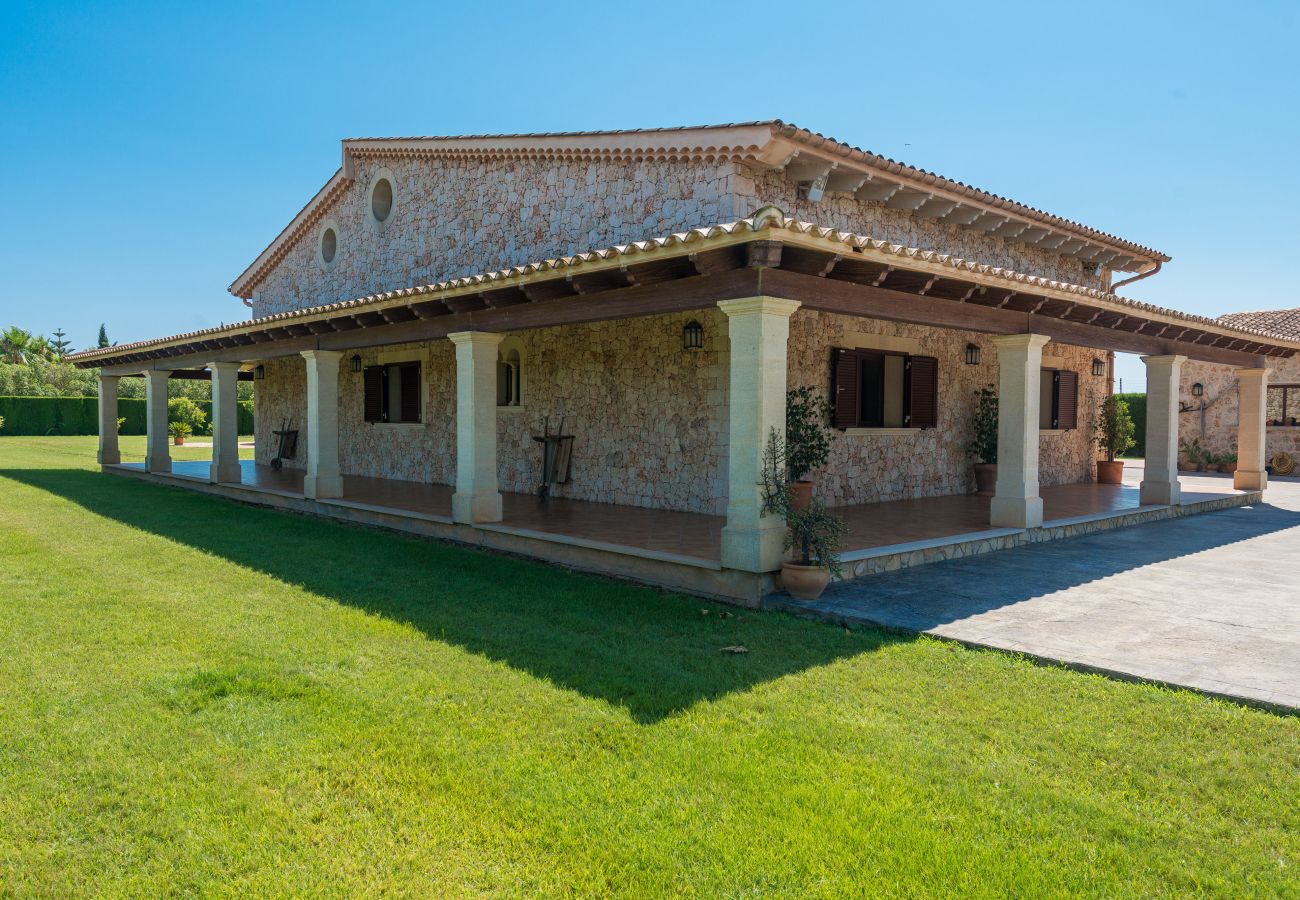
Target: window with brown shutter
923 391
1067 400
844 385
393 393
883 389
374 383
1058 406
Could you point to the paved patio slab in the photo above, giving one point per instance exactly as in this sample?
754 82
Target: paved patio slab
1210 602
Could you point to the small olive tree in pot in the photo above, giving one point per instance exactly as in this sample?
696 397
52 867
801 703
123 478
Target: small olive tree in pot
1114 435
807 443
816 536
984 445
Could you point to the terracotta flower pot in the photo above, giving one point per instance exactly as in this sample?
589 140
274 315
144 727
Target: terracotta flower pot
179 440
986 479
1109 472
804 582
1229 468
801 494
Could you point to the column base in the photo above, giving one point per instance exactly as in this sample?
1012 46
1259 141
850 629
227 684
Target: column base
109 457
1249 481
158 464
753 549
1162 493
471 509
322 487
1016 512
226 473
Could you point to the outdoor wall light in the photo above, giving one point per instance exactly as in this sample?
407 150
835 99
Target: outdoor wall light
972 354
1198 389
1098 368
355 362
259 373
692 336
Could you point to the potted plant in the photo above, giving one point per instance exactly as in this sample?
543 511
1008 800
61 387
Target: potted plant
1228 463
1193 453
1114 435
984 445
807 440
180 431
815 534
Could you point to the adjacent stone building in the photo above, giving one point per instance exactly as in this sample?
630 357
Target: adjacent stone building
628 309
1210 401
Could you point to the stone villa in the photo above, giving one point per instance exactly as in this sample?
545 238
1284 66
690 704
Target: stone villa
443 304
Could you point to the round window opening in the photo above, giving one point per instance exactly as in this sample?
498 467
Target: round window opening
329 245
381 201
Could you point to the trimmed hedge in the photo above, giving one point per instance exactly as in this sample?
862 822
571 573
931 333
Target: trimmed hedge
80 415
1137 408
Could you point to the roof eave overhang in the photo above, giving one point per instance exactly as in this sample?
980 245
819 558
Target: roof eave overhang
840 259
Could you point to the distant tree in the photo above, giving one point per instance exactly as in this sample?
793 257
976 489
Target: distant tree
60 344
103 337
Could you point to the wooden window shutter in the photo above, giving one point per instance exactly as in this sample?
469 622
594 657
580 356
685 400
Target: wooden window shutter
410 393
845 387
1067 400
924 392
374 384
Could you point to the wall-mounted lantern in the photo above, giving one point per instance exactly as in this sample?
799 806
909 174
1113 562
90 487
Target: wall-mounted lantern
692 336
1098 368
1198 390
259 373
355 362
972 354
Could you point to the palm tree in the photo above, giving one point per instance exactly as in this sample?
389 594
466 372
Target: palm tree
15 345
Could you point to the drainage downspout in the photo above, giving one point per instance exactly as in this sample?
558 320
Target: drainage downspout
1138 277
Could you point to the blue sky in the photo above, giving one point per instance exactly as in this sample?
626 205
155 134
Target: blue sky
148 152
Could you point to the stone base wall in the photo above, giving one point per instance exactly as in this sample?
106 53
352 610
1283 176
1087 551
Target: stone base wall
868 467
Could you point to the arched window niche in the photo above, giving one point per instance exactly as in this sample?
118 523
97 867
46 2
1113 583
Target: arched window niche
512 375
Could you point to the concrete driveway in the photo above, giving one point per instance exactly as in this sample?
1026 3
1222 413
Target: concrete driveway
1209 602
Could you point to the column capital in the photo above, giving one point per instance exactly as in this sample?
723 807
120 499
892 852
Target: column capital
751 306
1020 341
105 379
322 355
1169 360
1252 373
157 373
223 366
483 338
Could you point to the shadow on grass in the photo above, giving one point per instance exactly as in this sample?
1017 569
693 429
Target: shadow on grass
652 653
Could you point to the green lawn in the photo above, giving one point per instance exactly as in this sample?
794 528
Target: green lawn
198 697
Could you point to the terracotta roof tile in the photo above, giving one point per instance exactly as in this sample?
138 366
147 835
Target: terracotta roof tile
767 220
1284 323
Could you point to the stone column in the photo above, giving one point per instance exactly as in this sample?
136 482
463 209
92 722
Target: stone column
225 422
478 496
1252 388
1160 472
323 479
759 331
109 455
157 455
1016 503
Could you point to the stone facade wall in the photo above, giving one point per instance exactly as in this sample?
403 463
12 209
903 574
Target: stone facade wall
758 187
280 399
452 218
1217 431
868 467
650 419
